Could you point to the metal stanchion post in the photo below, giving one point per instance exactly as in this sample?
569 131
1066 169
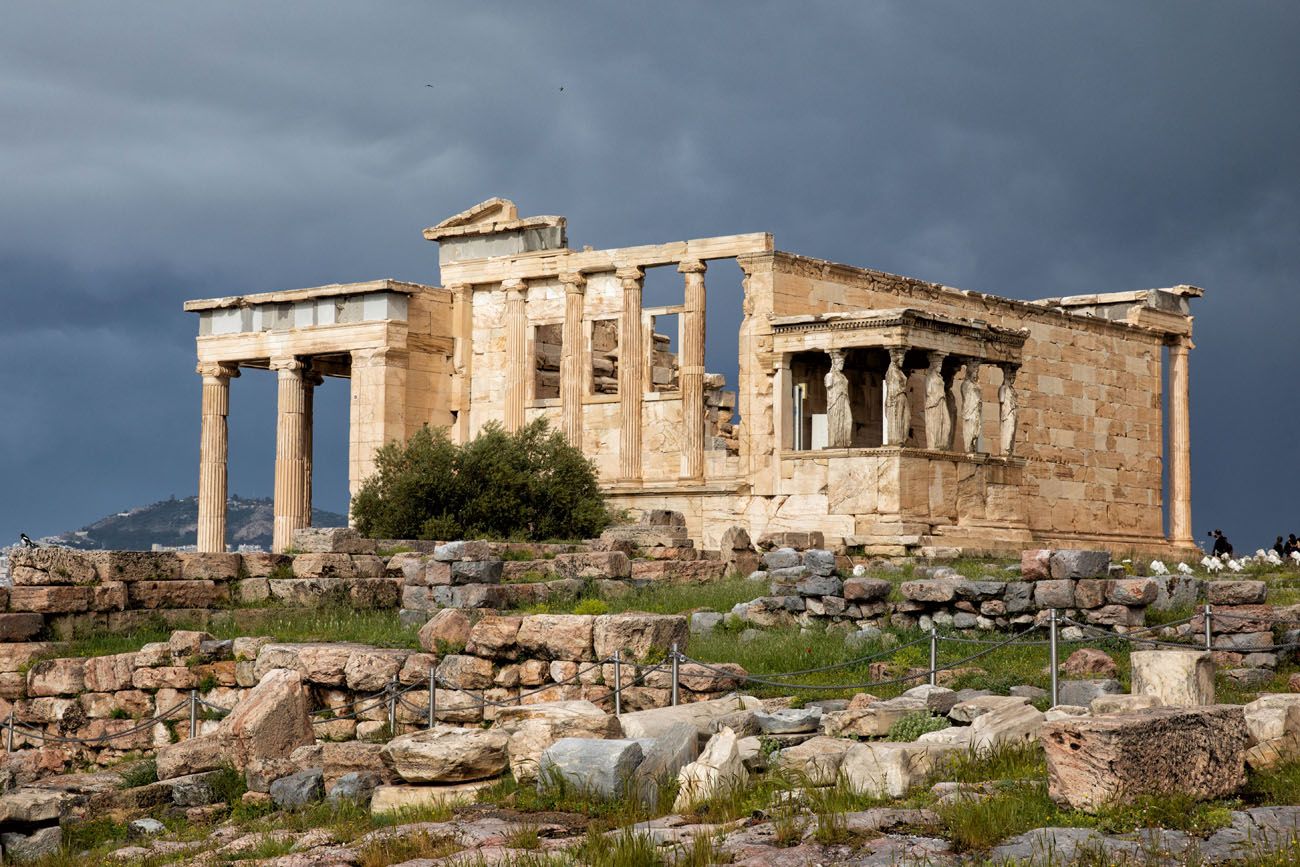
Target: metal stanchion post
1051 629
433 696
934 655
618 683
674 655
392 707
9 741
194 712
1209 642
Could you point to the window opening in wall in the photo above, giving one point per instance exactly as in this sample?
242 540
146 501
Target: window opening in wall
547 346
664 340
808 373
604 356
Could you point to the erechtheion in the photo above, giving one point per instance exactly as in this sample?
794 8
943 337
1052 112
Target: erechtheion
882 411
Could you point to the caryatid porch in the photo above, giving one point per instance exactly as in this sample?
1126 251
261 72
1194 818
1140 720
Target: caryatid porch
358 331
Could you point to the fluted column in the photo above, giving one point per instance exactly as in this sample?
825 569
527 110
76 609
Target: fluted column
691 365
290 469
571 357
310 380
214 445
1180 445
516 351
630 365
462 295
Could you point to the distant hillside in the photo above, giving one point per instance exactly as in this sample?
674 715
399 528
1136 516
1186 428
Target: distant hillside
174 524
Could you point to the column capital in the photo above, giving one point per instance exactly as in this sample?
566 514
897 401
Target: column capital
516 289
896 355
1009 370
630 276
574 282
223 369
692 266
291 364
460 288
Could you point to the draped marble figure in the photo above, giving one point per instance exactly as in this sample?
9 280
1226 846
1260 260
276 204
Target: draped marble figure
896 410
1008 405
938 422
972 408
839 415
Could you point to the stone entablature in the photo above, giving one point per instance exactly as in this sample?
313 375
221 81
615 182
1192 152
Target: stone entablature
1066 391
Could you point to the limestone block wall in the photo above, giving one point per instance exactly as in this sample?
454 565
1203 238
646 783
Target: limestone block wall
1090 417
58 703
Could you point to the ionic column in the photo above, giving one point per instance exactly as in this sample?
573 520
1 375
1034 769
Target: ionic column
1008 408
516 350
897 411
462 305
1180 445
571 355
691 366
290 469
310 380
213 449
630 386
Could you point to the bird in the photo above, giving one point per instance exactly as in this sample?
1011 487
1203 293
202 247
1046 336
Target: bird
561 90
27 541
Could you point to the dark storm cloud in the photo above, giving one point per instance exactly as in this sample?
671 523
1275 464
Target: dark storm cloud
153 153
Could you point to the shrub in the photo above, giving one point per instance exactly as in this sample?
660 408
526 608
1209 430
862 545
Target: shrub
912 726
591 606
528 485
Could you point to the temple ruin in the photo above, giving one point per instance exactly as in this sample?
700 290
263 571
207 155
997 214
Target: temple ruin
885 412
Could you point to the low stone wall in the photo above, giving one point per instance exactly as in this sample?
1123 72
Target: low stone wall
480 666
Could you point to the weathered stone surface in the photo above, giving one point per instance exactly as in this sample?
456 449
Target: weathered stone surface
557 636
718 768
787 721
209 566
884 769
1176 677
495 637
1132 591
50 565
1089 662
1272 716
191 756
871 720
388 799
1236 592
57 677
177 594
1104 704
298 790
20 626
817 759
448 755
663 759
336 760
31 846
1094 761
1035 565
465 672
1080 693
969 709
50 600
371 669
934 590
30 806
533 728
867 589
271 721
1054 593
638 636
595 564
701 714
1070 563
357 787
602 768
331 540
1005 726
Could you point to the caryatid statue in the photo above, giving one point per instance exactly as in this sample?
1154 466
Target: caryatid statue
896 409
938 420
839 416
972 407
1008 404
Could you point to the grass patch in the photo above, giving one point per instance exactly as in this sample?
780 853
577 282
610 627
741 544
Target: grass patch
1011 762
663 599
912 726
980 823
140 774
407 847
1276 786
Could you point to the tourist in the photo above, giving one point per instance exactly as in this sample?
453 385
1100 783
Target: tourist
1279 547
1222 547
1292 545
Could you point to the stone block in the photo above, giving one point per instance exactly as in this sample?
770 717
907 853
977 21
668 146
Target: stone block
1018 596
1098 761
1054 593
209 566
866 589
884 769
637 636
177 593
50 600
1090 661
1090 592
462 671
601 768
374 594
1081 692
1103 704
533 728
1073 563
389 799
1236 592
595 564
719 768
370 669
664 758
50 565
1035 565
934 590
819 585
1132 591
782 558
1178 678
702 714
494 637
448 755
323 566
476 572
56 677
298 790
332 540
132 566
558 636
19 627
1272 716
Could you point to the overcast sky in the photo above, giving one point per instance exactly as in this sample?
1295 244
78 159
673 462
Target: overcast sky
151 153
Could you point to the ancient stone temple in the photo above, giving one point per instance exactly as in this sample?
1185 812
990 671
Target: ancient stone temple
882 411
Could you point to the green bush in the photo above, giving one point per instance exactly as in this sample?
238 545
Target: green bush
529 485
912 726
